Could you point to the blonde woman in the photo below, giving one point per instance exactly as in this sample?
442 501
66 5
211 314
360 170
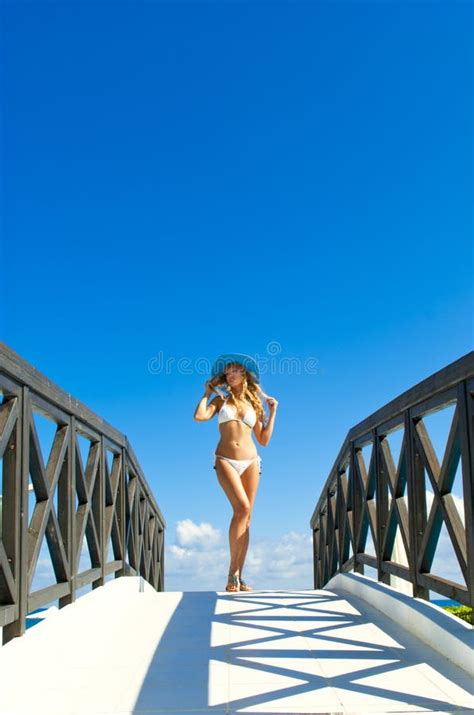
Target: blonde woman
237 463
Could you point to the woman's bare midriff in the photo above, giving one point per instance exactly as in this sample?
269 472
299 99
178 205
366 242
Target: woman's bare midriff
236 441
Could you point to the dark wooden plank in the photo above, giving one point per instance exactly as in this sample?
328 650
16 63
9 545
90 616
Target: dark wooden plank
466 427
348 565
8 420
435 403
18 627
48 410
46 595
8 590
393 424
161 584
315 560
11 508
443 586
416 505
367 560
8 614
363 439
356 508
98 511
113 567
121 512
381 518
394 569
86 577
66 515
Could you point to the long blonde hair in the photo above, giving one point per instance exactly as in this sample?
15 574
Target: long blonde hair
250 391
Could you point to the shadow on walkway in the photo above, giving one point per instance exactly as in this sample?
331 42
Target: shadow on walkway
292 651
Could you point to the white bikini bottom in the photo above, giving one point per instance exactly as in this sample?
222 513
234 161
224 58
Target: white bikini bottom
240 465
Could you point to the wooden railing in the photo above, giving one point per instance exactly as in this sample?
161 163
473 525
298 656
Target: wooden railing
104 501
387 500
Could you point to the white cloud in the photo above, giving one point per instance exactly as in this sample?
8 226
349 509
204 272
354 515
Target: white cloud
199 560
191 535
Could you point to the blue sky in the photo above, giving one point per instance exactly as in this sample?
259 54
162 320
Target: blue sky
186 179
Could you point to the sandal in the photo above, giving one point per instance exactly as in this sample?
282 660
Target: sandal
244 586
233 583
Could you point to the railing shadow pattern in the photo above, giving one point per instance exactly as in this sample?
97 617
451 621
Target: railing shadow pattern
292 651
104 502
358 504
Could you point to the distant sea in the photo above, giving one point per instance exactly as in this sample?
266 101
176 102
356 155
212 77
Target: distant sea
445 602
34 617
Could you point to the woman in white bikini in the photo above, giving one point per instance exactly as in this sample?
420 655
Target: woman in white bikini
237 463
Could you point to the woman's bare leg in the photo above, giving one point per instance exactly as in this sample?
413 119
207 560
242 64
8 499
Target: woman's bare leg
243 550
232 485
250 479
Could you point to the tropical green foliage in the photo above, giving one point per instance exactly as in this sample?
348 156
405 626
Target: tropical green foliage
464 612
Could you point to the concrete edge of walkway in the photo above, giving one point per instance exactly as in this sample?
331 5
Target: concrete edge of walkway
450 636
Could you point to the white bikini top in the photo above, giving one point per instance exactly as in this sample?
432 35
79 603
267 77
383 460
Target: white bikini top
228 412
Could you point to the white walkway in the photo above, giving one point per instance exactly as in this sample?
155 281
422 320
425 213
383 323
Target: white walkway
119 650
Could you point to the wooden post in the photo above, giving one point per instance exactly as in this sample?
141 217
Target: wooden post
416 505
18 627
356 509
466 412
382 507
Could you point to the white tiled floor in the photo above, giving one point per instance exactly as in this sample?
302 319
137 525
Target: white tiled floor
122 651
